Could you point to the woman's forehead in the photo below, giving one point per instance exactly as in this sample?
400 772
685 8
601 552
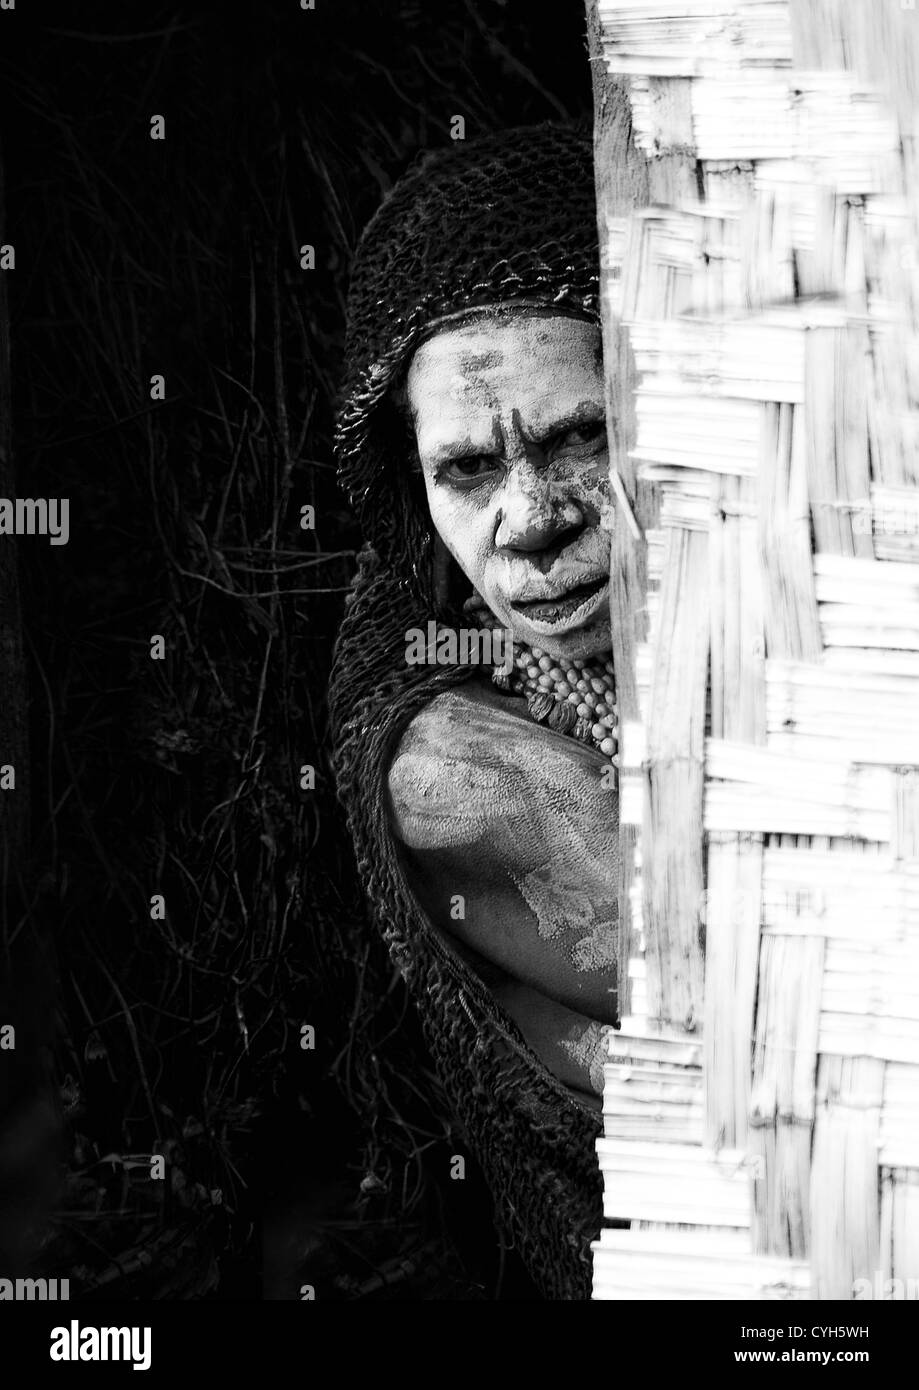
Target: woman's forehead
504 362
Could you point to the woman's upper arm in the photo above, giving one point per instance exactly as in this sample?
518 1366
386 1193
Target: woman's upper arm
512 837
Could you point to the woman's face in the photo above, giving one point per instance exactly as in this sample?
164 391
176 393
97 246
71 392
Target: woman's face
510 424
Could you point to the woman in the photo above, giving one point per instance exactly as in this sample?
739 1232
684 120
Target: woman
483 806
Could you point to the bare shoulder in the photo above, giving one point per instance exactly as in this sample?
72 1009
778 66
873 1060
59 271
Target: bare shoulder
472 757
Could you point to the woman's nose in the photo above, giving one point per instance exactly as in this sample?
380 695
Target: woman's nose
531 517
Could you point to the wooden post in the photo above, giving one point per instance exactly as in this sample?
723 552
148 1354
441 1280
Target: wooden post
622 184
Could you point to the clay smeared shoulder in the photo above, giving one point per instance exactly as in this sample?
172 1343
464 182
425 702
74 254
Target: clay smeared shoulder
470 759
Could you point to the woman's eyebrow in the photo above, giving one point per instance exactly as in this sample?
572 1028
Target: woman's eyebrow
587 413
449 450
452 449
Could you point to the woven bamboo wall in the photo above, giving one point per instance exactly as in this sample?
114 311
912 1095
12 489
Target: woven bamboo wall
762 1096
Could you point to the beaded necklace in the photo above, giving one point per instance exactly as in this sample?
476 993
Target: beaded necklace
571 697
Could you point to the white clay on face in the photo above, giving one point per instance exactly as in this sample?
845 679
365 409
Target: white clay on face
509 420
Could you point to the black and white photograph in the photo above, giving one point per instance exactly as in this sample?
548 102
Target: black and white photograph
459 664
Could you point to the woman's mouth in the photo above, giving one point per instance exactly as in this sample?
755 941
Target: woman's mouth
575 603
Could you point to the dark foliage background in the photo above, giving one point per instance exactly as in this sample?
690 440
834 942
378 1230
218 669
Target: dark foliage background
181 1036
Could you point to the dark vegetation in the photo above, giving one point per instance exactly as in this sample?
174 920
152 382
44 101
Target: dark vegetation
180 777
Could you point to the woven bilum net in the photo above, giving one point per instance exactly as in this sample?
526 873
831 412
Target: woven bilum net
508 218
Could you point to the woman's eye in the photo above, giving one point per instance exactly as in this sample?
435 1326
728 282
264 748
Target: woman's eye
470 469
581 435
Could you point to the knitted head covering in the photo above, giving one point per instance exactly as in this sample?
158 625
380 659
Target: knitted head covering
508 219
